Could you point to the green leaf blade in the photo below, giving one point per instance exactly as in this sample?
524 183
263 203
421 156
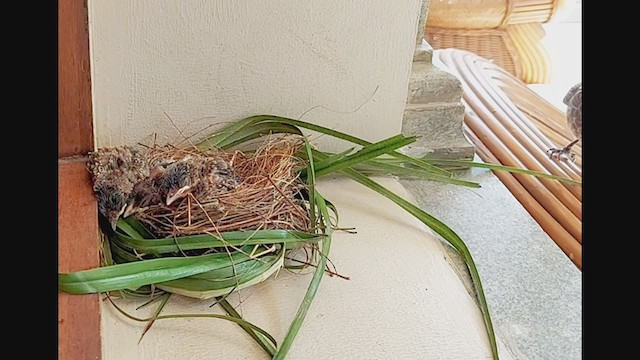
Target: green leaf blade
139 273
207 241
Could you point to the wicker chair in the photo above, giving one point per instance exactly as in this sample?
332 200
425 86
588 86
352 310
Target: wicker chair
507 32
509 124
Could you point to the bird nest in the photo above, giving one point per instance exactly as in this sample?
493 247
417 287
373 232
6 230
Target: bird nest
268 196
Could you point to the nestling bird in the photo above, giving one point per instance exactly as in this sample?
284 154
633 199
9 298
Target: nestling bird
200 176
125 181
573 100
114 172
111 201
147 192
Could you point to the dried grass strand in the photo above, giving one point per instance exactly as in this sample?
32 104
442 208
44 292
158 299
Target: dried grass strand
265 199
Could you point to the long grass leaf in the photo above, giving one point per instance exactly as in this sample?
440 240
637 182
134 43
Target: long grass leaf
121 255
106 257
295 325
206 241
180 316
206 287
366 153
155 314
332 158
223 134
364 150
134 224
258 337
255 131
375 167
311 182
497 167
217 139
135 274
125 227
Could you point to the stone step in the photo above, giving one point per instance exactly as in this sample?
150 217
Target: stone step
428 83
423 52
439 127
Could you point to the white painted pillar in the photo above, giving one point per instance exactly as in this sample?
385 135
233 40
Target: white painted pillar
210 62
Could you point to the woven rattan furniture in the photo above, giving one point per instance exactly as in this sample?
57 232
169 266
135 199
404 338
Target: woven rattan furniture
507 32
509 124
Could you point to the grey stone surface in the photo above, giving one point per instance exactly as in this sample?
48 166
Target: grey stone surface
428 84
434 110
423 52
438 128
422 21
533 290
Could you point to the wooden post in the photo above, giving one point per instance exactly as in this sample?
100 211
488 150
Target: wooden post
78 241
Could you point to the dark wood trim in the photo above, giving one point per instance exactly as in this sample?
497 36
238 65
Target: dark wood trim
75 128
78 249
78 234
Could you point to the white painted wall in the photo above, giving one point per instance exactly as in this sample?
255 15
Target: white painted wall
208 62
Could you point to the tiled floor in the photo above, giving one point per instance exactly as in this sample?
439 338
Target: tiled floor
534 291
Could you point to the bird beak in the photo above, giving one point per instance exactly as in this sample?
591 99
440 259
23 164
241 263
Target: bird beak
129 210
177 195
114 221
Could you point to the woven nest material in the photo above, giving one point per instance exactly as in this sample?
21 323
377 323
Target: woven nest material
268 197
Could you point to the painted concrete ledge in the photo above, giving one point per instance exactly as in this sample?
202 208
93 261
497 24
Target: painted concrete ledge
404 300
